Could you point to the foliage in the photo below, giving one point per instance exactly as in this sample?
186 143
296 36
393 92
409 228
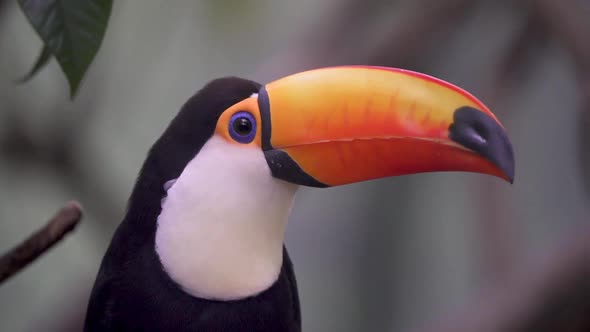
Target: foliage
72 32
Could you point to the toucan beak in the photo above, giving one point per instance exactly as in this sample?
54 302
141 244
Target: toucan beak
340 125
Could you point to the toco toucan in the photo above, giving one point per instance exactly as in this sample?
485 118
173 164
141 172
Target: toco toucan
201 245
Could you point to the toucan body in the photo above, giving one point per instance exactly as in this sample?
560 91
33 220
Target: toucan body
201 245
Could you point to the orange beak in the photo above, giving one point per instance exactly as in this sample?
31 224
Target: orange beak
340 125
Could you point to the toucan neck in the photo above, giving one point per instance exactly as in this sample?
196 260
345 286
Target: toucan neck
220 233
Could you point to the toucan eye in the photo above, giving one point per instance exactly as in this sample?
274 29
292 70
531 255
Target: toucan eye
242 127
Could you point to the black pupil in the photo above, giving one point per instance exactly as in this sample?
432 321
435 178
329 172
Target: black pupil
242 126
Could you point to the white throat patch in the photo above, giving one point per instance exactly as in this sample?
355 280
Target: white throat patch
221 230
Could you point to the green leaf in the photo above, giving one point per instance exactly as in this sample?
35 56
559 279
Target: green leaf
41 62
72 30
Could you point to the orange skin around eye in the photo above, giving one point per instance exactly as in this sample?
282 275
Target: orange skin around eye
348 124
248 105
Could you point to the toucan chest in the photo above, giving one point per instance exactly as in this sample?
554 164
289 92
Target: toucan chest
141 298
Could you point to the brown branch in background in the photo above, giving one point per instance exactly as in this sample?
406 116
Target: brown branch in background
515 63
39 242
418 23
547 295
497 238
398 46
553 293
568 21
584 134
565 21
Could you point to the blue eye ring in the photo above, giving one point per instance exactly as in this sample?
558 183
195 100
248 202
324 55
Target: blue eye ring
242 127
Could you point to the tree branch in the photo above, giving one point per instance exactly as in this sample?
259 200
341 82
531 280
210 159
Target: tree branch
420 21
39 242
552 293
567 21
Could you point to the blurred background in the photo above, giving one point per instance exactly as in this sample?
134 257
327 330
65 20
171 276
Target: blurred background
403 254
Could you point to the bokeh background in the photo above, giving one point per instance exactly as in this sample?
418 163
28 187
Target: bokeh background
400 254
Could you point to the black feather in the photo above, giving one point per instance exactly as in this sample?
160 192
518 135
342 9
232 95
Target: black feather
132 292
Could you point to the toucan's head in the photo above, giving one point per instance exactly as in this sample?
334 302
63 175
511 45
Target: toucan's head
334 126
237 151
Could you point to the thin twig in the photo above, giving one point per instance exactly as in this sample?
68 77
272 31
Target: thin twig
39 242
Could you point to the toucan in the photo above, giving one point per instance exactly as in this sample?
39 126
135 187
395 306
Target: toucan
201 246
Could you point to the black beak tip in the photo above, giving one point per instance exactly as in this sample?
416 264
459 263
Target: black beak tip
478 132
